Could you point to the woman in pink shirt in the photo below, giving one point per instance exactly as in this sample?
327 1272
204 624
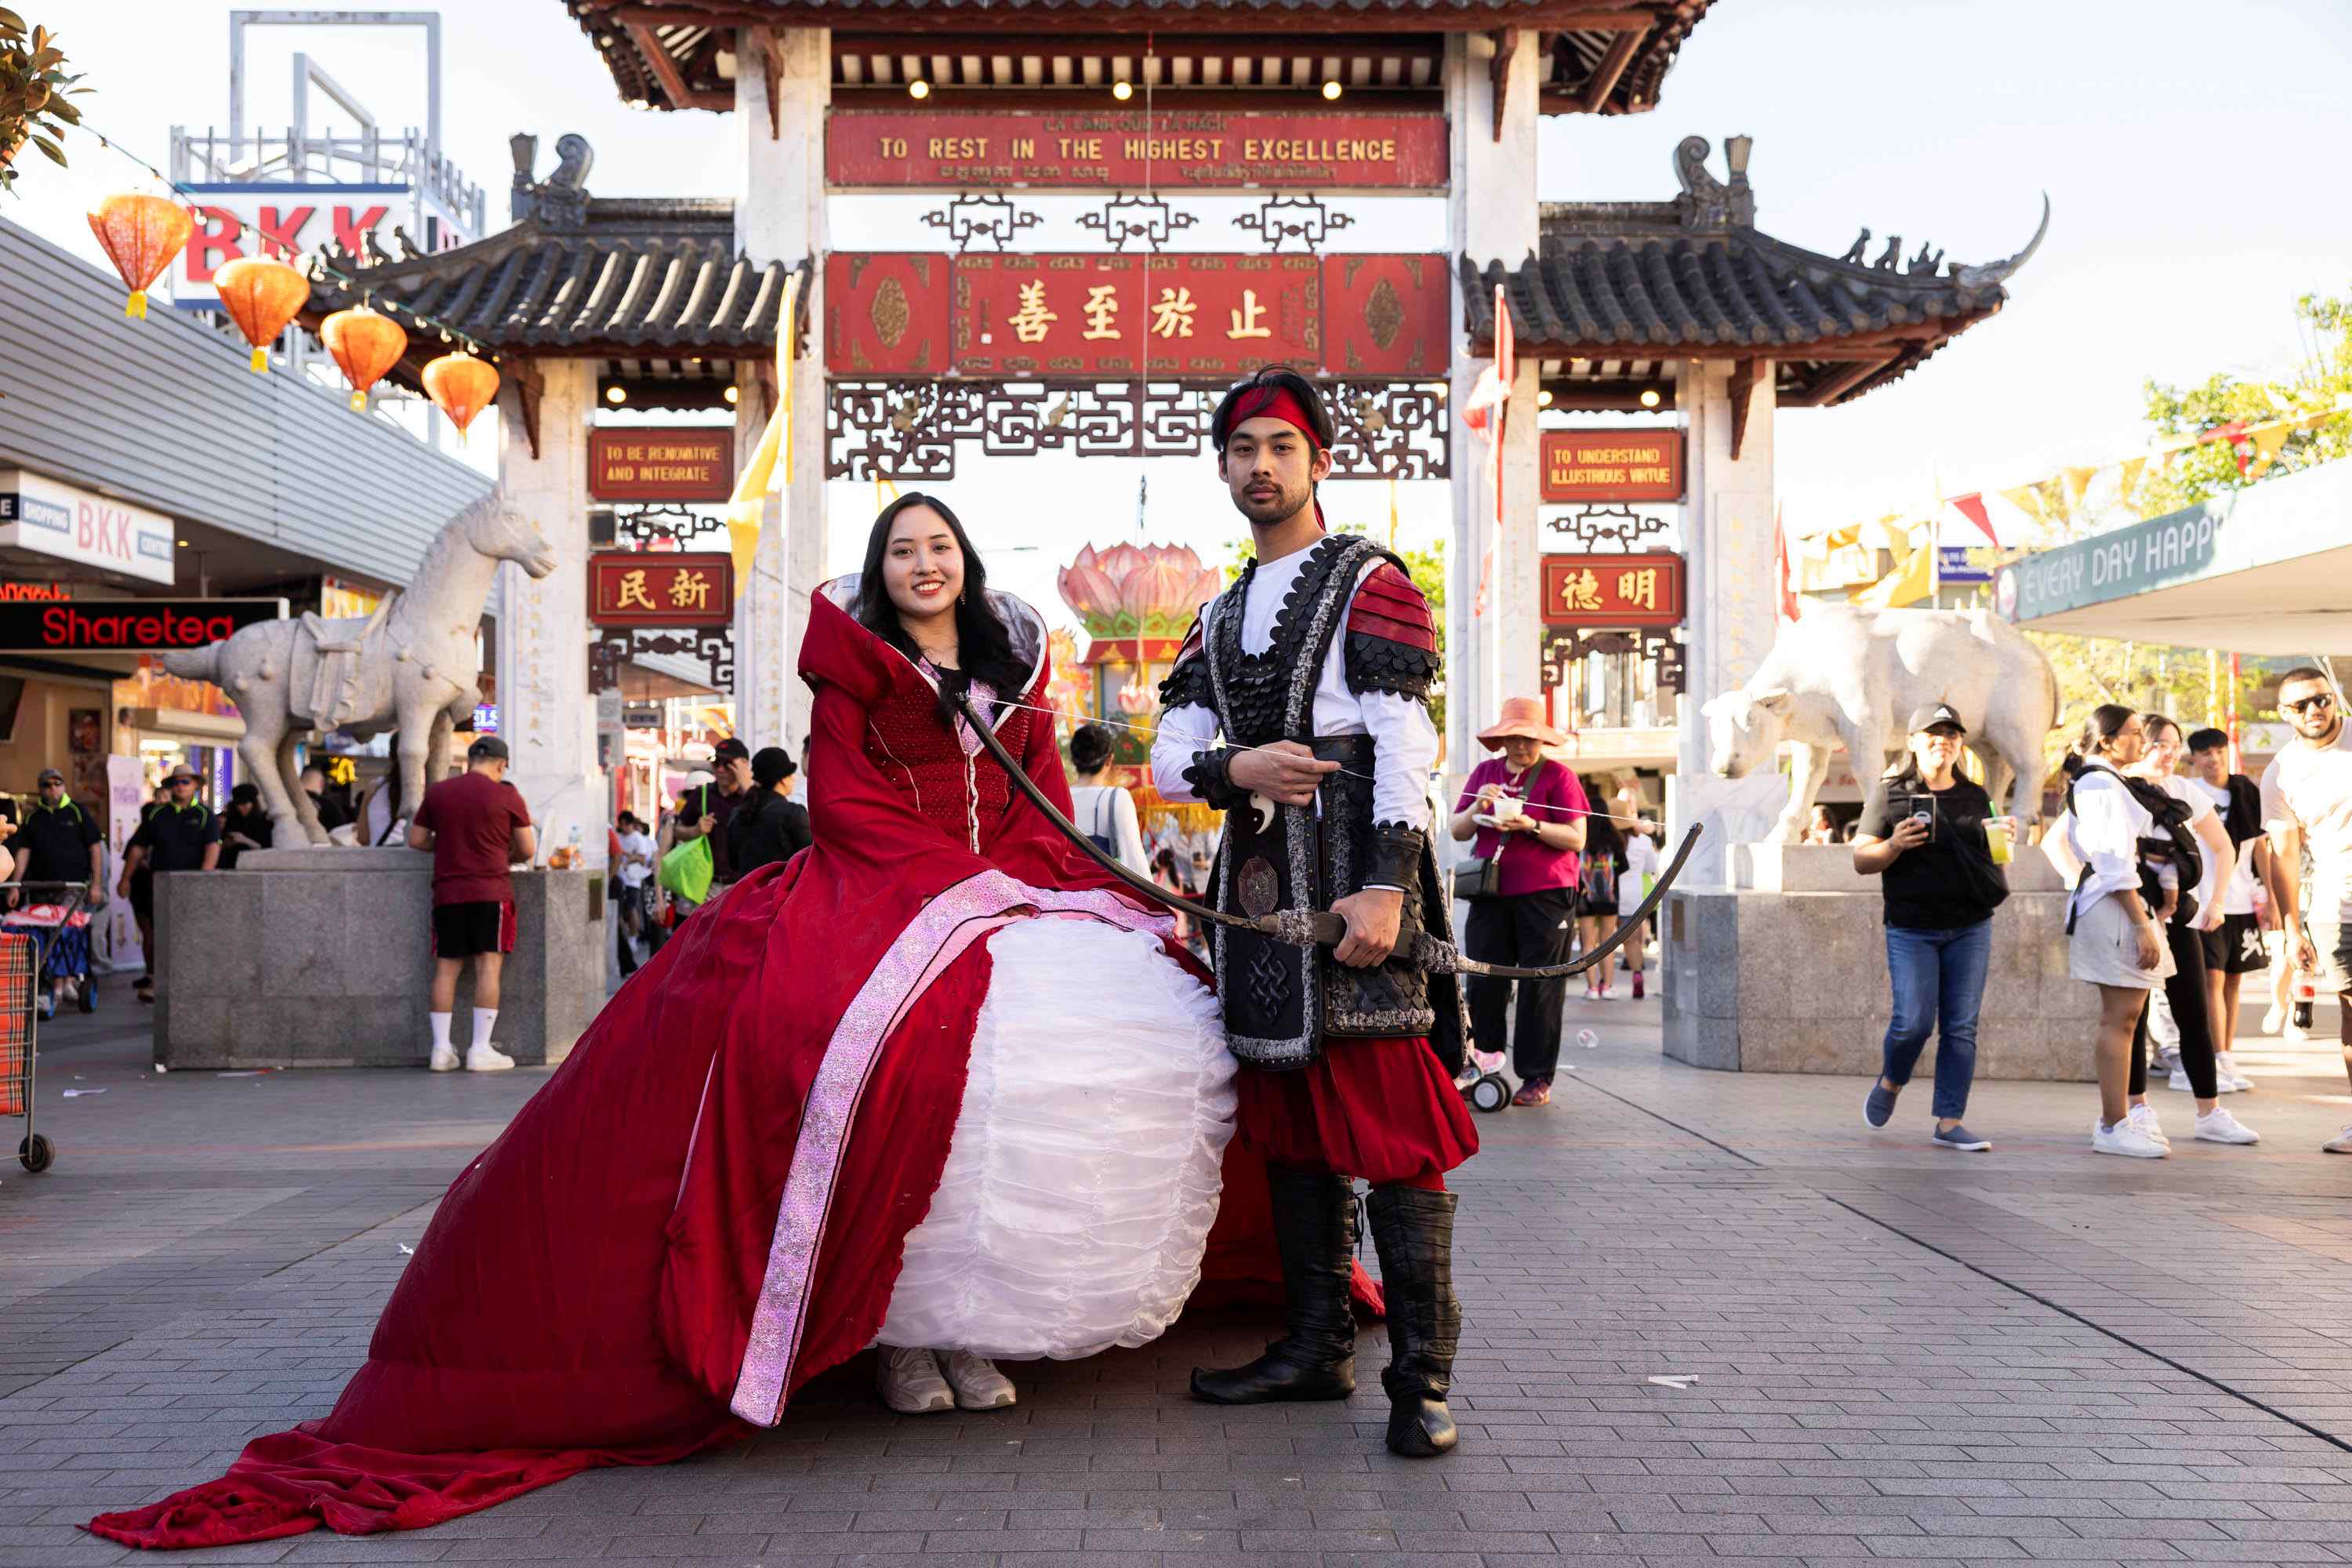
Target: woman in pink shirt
1527 812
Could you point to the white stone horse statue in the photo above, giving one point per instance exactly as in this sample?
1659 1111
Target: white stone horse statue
414 667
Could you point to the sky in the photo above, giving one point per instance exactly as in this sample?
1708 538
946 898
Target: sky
2192 155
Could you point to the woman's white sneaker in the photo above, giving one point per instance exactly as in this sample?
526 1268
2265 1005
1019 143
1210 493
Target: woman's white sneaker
912 1383
978 1385
2339 1144
2217 1126
2228 1072
2126 1138
2143 1117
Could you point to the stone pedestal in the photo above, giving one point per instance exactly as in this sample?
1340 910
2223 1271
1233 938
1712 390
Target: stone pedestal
1789 972
320 958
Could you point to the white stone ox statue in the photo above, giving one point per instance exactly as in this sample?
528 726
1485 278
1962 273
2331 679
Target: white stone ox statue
1852 676
414 667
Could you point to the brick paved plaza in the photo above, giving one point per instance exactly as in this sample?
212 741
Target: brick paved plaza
1895 1351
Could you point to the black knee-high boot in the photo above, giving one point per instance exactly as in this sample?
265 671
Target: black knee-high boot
1315 1232
1414 1229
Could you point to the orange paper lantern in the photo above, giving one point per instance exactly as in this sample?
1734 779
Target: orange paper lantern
461 387
261 294
141 235
366 344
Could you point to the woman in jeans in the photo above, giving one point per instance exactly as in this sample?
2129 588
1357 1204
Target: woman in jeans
2114 930
1534 815
2186 991
1922 833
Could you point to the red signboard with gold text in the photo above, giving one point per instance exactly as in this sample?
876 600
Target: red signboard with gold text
1112 149
1201 317
1613 464
1613 590
651 588
647 462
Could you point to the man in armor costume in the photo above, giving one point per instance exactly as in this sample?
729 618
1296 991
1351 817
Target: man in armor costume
1299 705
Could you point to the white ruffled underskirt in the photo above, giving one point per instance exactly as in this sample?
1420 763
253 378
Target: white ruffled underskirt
1084 1168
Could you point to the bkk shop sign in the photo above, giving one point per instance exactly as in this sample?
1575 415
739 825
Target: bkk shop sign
1190 149
41 517
128 626
291 221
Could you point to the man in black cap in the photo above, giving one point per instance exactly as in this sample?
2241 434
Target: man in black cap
704 812
182 834
477 826
60 844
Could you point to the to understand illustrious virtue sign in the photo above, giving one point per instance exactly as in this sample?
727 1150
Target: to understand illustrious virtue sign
128 626
1613 464
650 588
1613 590
648 462
1190 149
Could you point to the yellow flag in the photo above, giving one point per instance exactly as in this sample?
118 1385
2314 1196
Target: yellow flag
1909 583
2268 442
2131 472
760 477
2025 499
2078 482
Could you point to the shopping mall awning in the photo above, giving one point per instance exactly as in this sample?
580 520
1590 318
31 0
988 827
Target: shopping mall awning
2265 570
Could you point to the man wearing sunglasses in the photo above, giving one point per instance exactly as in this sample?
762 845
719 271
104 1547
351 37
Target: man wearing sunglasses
2307 803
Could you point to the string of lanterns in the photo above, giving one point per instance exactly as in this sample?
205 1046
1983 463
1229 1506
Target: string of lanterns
143 234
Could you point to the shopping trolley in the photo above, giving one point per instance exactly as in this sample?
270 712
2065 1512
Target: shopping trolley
57 916
20 961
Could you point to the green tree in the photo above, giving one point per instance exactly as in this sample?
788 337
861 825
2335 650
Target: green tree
2320 384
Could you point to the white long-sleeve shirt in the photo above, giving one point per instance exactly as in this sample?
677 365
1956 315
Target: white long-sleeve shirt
1404 740
2103 834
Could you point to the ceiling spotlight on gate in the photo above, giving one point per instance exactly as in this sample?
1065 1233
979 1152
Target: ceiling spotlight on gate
1122 91
919 89
731 393
616 394
1543 398
1331 90
1649 397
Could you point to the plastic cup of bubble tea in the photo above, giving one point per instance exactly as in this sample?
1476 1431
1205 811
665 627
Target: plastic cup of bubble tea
1997 840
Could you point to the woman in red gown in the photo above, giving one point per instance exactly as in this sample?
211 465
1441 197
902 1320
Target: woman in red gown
715 1197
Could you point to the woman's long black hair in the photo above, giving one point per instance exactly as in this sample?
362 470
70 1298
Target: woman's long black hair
2102 724
983 642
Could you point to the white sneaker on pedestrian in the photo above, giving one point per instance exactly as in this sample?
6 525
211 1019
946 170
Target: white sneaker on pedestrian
2126 1139
2217 1126
2230 1073
2143 1117
2179 1081
486 1059
2275 1020
2339 1144
978 1385
445 1058
912 1383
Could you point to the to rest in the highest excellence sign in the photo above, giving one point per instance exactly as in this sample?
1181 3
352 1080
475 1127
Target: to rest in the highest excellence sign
1185 317
1613 464
1188 149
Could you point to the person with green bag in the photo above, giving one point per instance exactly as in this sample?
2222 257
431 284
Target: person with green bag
703 813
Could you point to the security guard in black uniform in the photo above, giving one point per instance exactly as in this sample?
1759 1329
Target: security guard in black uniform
182 834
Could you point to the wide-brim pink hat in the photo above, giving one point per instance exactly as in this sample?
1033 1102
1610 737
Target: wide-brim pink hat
1521 716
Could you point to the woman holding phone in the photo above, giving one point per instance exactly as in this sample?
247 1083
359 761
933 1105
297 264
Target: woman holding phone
1928 833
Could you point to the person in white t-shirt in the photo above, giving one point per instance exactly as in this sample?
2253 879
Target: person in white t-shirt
1105 811
2307 804
633 868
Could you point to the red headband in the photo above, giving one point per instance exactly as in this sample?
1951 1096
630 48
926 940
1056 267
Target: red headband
1272 403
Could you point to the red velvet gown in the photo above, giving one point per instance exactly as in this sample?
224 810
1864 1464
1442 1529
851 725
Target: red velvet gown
707 1204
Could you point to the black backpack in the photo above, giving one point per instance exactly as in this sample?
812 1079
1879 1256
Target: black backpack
2176 846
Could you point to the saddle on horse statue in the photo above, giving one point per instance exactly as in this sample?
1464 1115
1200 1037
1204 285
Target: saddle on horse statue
333 680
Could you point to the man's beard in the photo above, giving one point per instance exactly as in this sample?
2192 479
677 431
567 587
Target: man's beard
1280 507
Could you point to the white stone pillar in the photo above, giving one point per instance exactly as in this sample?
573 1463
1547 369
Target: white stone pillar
780 216
1492 647
546 715
1728 524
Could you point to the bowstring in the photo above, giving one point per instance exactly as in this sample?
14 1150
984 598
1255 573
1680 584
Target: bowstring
1060 717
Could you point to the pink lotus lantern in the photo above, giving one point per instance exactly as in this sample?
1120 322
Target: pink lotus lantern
1136 602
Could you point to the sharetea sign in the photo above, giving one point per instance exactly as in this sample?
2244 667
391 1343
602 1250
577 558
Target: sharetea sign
644 588
128 626
39 516
647 462
1191 149
1613 590
1613 464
